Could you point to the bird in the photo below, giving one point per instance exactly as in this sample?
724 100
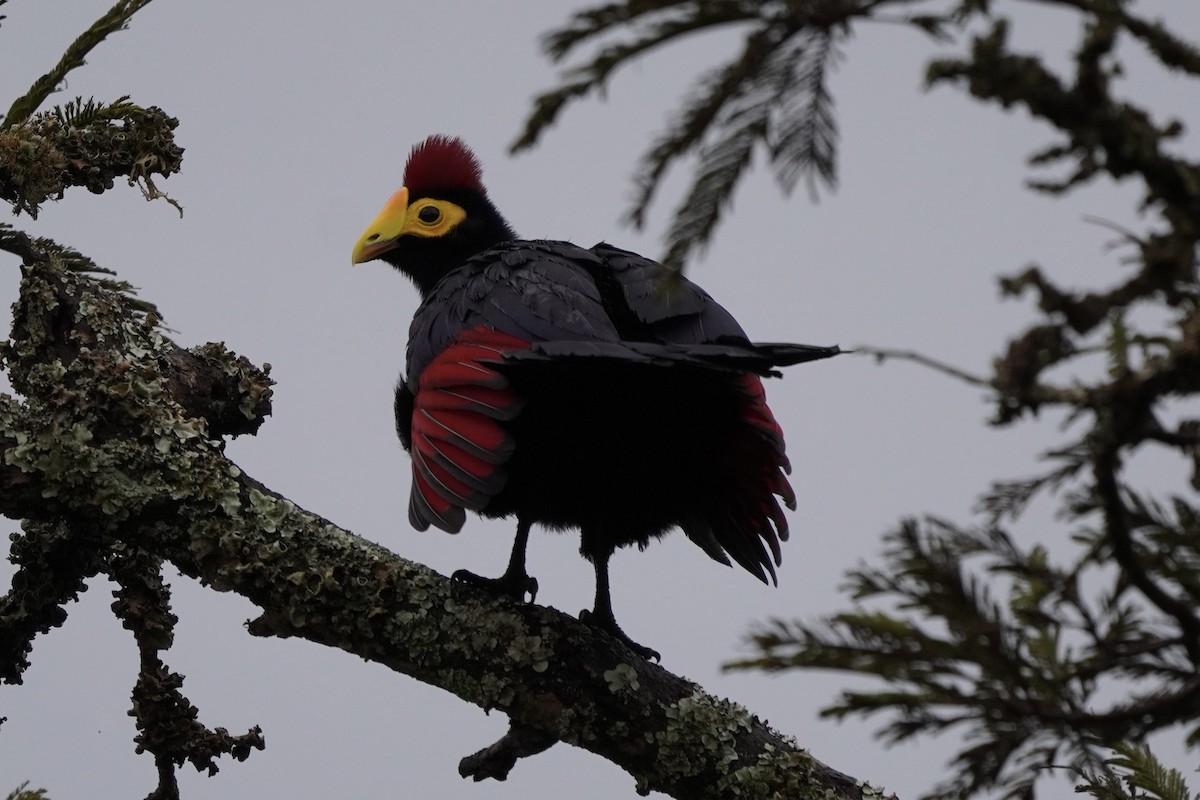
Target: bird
587 389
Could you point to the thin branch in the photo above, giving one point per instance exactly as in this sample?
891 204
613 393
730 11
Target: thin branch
1172 51
114 20
53 562
167 722
1120 536
883 354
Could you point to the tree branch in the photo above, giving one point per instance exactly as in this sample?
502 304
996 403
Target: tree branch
52 564
115 19
497 760
167 722
883 354
1125 551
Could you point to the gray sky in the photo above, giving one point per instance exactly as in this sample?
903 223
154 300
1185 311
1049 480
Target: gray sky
297 122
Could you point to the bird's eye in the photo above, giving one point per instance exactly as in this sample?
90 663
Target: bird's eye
429 215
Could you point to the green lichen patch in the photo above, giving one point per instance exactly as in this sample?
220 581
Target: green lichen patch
622 678
700 729
88 145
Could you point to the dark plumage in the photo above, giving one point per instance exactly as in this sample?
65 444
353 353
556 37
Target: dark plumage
574 388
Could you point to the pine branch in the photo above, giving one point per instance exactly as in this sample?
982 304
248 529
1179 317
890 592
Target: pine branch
1120 136
1143 771
592 75
799 132
1134 767
22 792
1008 499
79 114
116 19
998 669
1171 51
1127 554
773 94
743 123
594 22
705 102
721 165
43 250
804 132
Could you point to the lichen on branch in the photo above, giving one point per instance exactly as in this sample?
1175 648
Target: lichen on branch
89 145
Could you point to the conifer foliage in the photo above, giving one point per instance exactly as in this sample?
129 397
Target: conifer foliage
772 95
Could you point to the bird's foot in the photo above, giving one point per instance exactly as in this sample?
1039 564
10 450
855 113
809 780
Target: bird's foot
609 625
514 585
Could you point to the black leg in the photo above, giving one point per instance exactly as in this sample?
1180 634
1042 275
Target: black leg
515 582
601 615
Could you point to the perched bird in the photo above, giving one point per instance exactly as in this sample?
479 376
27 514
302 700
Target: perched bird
588 389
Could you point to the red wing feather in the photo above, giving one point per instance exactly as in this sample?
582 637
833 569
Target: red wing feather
756 518
459 445
760 417
472 431
495 403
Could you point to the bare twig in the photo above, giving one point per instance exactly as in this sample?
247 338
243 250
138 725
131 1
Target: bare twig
882 354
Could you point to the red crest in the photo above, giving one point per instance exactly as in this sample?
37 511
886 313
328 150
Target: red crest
442 162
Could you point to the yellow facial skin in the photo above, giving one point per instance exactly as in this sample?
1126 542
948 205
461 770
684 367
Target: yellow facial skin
426 217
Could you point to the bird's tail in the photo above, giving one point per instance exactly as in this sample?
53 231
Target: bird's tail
731 356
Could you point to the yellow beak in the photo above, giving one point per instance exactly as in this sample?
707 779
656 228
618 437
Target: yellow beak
381 235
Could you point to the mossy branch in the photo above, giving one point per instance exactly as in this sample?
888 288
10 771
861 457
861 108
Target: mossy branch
43 250
90 145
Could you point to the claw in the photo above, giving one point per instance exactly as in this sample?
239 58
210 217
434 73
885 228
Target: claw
511 585
610 626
